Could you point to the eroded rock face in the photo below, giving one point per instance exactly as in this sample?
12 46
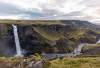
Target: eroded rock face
33 42
30 40
7 45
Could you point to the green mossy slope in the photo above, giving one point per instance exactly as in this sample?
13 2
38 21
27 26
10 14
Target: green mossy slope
91 49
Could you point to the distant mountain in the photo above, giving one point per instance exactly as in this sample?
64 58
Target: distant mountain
81 24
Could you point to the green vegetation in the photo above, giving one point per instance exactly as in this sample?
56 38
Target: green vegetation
36 56
48 33
1 55
12 62
28 22
79 23
69 34
72 62
83 61
90 47
6 26
9 62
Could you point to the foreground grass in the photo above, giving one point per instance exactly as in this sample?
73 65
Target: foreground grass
85 61
72 62
13 62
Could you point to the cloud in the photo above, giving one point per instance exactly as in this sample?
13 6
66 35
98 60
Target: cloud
50 9
6 8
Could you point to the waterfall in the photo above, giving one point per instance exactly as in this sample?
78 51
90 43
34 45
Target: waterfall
18 48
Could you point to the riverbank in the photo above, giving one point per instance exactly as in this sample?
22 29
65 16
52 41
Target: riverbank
91 50
76 52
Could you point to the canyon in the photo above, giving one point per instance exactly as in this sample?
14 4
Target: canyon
20 41
44 37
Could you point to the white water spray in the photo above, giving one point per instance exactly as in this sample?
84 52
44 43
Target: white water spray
18 48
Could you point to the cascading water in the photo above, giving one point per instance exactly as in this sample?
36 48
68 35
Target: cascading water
18 48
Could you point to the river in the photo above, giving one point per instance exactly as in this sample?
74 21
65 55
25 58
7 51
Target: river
77 51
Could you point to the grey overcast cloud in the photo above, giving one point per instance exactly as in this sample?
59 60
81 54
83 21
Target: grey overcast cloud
88 10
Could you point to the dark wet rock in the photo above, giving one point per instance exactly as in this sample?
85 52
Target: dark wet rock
62 42
86 40
7 45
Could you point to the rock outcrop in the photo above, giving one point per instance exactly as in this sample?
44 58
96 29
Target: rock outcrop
31 64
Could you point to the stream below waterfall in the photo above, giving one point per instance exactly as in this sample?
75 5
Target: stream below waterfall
77 51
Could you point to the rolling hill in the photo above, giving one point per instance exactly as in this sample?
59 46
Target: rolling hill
79 23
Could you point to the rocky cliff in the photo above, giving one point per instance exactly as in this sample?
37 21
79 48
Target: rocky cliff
44 38
7 45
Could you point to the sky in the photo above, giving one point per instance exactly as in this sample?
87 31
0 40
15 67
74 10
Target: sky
88 10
